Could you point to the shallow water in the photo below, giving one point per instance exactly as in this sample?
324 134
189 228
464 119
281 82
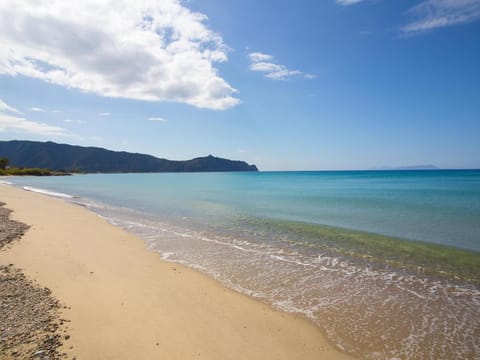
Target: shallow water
374 292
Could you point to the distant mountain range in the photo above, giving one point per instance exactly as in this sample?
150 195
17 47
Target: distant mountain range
63 157
411 167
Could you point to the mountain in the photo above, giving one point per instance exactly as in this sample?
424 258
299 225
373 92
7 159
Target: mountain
418 167
63 157
411 167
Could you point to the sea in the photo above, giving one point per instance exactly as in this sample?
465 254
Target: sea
385 263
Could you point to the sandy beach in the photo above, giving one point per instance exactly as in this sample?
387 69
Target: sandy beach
124 302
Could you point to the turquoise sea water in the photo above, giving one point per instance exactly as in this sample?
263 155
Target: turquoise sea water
386 263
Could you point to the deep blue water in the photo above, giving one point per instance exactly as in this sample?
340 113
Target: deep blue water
277 236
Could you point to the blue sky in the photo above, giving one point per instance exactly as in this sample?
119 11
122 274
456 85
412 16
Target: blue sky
287 85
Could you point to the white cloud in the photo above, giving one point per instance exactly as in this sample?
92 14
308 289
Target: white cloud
266 67
5 107
13 123
37 109
104 114
284 74
258 56
432 14
157 119
74 121
146 50
10 122
348 2
264 63
310 76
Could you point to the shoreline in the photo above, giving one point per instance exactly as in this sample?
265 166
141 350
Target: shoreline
125 302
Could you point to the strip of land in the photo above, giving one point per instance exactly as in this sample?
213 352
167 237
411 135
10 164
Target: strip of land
123 302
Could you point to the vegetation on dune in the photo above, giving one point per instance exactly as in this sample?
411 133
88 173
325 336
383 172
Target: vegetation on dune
26 171
16 171
4 162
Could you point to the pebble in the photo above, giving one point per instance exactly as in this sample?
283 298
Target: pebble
29 315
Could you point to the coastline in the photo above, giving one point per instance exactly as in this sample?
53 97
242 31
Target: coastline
125 302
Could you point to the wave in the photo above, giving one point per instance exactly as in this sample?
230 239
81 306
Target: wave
48 192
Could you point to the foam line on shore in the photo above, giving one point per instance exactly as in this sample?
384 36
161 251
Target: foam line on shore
48 192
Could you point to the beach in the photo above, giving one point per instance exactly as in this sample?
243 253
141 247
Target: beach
123 302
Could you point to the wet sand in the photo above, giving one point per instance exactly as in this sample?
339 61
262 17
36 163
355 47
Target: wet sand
124 302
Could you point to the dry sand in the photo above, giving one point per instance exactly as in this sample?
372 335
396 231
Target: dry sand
125 303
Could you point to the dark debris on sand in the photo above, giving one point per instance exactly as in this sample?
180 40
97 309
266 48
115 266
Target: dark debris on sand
30 322
9 229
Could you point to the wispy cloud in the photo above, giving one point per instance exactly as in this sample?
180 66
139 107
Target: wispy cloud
433 14
146 50
37 109
74 121
104 114
264 63
348 2
157 119
258 57
4 107
9 122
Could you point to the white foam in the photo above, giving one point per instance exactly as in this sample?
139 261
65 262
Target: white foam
281 258
165 255
48 192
